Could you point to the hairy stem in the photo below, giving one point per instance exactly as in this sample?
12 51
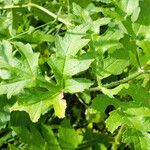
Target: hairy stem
40 8
125 80
118 138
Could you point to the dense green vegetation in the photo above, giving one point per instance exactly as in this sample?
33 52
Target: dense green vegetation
74 74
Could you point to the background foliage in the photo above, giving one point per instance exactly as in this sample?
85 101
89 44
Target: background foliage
74 74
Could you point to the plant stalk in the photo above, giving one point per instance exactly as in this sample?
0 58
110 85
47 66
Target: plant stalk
118 138
125 80
40 8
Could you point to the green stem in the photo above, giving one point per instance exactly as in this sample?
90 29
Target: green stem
68 6
125 80
118 138
40 8
95 89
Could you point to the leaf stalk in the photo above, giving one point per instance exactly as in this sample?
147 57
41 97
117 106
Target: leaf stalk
118 138
116 83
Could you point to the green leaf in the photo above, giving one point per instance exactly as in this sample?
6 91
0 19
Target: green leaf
20 71
67 67
19 118
51 141
39 104
12 88
4 74
133 115
117 62
83 16
64 63
6 56
83 4
144 56
67 132
129 6
101 102
141 31
112 92
31 58
5 25
116 119
30 136
4 112
144 19
114 64
108 40
110 57
77 85
72 42
139 139
137 92
60 107
34 110
70 66
130 46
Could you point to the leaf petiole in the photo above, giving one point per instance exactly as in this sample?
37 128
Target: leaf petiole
125 80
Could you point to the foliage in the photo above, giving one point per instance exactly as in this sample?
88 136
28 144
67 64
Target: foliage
74 74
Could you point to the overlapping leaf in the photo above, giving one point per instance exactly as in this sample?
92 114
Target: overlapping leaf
110 56
67 132
137 92
77 85
145 54
101 102
143 18
19 69
83 16
134 116
31 137
29 134
134 136
4 112
129 6
36 103
51 140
